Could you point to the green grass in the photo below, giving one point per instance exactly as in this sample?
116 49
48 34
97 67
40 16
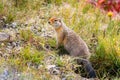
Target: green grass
26 35
32 55
83 18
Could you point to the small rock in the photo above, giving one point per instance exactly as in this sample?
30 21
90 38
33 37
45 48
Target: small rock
50 66
14 44
86 79
2 23
4 37
14 25
55 71
64 78
6 26
2 44
18 74
6 73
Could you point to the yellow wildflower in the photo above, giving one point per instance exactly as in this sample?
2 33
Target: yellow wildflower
110 14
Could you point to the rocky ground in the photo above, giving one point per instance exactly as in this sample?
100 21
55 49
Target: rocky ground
12 41
27 41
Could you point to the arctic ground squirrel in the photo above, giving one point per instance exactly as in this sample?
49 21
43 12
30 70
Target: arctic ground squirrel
73 43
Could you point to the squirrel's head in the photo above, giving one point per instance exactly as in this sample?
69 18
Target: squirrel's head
55 22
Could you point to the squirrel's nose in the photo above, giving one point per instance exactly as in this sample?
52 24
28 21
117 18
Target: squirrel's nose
49 22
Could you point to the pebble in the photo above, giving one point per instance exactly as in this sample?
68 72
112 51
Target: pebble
4 36
14 25
55 71
50 66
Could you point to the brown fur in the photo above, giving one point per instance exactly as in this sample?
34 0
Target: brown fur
71 41
73 44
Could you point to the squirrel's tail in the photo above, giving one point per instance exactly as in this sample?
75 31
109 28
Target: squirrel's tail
88 67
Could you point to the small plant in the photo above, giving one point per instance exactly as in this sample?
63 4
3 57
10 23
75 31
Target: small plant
29 54
51 42
1 7
10 18
59 61
58 2
20 3
26 35
107 57
86 9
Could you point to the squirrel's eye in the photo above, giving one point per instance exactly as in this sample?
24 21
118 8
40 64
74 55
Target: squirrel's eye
55 20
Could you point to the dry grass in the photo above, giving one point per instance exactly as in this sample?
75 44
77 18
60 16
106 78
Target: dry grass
100 32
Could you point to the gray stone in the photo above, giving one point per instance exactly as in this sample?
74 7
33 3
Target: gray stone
14 25
4 37
50 66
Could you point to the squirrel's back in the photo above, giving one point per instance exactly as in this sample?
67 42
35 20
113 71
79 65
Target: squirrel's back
75 45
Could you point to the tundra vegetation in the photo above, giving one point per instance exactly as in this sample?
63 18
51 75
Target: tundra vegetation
30 53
